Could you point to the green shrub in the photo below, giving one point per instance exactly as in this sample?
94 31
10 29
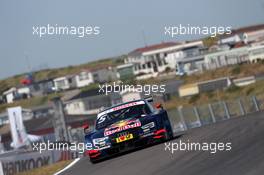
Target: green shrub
236 70
249 91
233 88
90 87
194 98
210 94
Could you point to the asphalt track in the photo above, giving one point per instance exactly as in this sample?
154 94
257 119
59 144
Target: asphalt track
245 158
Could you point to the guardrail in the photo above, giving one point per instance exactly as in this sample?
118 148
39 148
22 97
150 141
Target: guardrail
184 118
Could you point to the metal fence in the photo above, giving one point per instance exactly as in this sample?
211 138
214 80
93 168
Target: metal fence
184 118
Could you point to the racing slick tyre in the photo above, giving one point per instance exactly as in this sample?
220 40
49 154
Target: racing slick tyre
93 161
169 133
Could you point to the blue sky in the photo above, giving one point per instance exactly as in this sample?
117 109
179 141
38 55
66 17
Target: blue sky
121 23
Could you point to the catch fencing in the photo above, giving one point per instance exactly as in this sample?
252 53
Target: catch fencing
184 118
187 117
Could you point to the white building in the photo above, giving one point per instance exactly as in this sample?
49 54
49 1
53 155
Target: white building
24 92
226 57
253 36
125 71
151 60
245 81
84 78
247 35
64 83
217 47
104 74
76 107
256 53
10 95
230 39
186 58
190 65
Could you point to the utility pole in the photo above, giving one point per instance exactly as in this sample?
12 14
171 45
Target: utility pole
58 121
144 38
28 63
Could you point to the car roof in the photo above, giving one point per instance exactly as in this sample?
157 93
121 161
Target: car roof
120 104
112 108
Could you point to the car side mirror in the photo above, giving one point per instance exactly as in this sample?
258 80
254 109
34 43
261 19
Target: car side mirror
159 106
86 128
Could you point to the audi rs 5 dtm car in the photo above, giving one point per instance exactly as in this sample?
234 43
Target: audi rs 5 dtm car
127 126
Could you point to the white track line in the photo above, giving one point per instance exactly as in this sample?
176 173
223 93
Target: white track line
68 166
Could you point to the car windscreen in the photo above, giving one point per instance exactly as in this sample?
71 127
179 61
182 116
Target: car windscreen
115 116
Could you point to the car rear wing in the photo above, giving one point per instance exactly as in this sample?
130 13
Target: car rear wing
149 99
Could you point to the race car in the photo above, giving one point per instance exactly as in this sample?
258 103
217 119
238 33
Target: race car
127 126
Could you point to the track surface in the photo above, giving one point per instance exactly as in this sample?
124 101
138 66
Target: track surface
246 157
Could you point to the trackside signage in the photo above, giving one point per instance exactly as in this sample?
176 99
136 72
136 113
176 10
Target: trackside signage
24 162
18 132
20 162
119 108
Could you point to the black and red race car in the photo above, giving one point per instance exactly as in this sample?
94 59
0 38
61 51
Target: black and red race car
127 126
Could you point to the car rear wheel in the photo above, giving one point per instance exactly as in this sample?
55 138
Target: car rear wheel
92 160
169 133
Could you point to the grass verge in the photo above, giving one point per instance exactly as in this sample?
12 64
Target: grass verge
230 93
47 170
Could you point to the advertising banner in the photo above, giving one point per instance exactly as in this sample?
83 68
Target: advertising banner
17 128
23 162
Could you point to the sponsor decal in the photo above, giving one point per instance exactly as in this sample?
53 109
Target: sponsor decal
13 167
120 107
125 106
148 134
124 138
122 126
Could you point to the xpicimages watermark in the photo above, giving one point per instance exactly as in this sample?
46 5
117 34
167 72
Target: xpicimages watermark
212 31
212 147
146 89
78 31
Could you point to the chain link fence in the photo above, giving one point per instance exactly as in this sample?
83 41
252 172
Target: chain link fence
184 118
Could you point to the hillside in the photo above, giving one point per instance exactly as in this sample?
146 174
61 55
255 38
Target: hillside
56 72
231 93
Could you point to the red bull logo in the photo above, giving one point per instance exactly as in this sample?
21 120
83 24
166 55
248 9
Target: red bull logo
121 126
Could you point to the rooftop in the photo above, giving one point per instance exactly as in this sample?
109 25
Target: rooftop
244 30
248 29
153 47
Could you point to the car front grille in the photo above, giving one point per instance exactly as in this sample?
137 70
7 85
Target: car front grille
122 134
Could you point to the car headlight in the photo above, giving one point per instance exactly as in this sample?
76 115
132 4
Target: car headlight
102 143
100 140
148 126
